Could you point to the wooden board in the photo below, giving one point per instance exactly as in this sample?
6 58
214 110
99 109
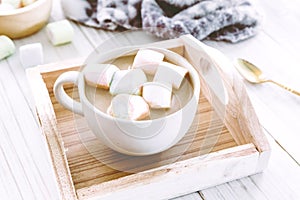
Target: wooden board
215 150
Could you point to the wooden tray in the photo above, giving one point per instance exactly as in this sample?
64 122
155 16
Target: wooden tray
219 149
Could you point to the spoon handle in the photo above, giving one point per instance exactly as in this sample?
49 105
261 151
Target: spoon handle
285 87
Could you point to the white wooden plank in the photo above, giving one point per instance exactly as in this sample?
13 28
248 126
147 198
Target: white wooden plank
99 36
13 170
276 108
227 192
8 181
211 193
3 189
57 12
38 168
192 196
95 37
245 192
252 189
25 140
287 15
280 123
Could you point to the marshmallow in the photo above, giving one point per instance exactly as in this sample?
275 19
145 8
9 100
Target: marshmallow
128 106
15 3
60 32
7 47
31 55
100 75
127 81
148 60
6 7
170 73
27 2
157 95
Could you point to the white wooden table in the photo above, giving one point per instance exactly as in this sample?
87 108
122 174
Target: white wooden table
25 170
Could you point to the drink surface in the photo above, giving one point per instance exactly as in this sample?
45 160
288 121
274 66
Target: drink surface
101 98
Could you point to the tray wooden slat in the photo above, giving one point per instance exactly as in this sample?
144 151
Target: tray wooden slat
87 171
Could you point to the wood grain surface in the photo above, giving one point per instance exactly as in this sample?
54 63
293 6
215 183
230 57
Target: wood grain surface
25 169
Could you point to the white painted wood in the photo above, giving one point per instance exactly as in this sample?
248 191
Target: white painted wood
211 193
193 176
274 183
275 50
25 170
273 106
248 187
192 196
58 156
10 188
242 191
22 135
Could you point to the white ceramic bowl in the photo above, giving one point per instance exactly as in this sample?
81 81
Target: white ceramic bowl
25 21
137 138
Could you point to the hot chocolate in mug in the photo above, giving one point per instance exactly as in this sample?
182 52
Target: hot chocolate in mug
134 137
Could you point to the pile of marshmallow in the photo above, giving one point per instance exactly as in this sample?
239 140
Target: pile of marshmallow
14 4
133 94
59 33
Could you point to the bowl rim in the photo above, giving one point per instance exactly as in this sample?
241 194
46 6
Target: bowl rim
24 9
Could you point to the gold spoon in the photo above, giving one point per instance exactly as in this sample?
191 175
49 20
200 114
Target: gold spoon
254 75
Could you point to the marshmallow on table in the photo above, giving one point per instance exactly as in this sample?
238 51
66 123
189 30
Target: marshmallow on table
100 75
157 95
147 60
15 3
170 73
60 32
31 55
127 81
128 106
7 47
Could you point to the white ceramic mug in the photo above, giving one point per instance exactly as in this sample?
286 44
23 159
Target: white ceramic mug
137 138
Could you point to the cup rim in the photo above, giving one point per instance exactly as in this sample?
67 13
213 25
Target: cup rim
24 9
195 82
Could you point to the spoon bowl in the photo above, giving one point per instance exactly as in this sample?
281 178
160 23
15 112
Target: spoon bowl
254 75
249 71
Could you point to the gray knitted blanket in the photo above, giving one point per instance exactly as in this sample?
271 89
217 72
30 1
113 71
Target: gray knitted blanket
226 20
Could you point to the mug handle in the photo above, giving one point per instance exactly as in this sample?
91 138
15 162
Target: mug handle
61 95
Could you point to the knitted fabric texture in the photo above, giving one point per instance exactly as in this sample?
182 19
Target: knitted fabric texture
226 20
